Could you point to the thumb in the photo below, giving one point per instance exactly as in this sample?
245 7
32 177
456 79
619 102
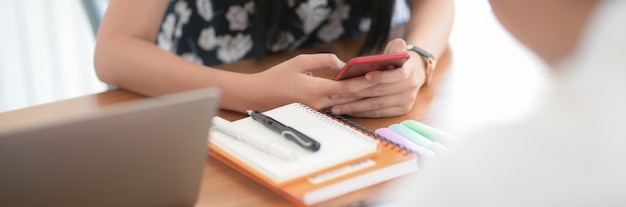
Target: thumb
395 45
311 62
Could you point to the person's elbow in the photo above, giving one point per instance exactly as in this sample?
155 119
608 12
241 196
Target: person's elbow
104 60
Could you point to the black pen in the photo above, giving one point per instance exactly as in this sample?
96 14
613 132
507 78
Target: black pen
286 131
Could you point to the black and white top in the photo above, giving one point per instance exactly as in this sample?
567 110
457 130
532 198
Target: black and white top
213 32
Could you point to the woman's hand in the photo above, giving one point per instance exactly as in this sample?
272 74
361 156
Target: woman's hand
393 92
291 81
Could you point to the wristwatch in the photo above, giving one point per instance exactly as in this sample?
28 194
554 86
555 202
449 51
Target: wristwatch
429 60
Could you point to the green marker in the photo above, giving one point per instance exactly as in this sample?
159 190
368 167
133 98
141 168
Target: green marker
417 138
429 132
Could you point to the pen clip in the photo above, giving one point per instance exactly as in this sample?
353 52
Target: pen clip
300 140
294 137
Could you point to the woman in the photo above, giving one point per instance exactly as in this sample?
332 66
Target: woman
197 34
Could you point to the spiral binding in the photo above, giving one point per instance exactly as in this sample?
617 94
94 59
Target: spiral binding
352 131
363 129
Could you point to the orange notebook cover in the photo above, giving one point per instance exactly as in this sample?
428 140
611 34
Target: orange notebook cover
390 161
393 162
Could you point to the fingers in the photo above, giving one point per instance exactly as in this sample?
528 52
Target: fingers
393 105
356 96
388 89
395 45
382 90
322 93
389 76
386 112
401 73
353 85
328 102
293 77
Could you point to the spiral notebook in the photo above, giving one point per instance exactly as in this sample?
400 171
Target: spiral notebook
351 157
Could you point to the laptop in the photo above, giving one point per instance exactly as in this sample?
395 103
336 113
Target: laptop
150 152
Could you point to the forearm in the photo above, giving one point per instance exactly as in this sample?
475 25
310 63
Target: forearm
142 67
126 56
430 24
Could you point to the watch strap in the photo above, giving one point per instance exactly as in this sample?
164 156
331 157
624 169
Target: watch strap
429 61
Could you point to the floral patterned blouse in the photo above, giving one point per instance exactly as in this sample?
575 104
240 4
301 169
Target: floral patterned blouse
213 32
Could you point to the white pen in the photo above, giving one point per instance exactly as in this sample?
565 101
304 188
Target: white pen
227 128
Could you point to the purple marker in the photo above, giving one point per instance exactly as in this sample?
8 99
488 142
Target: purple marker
398 139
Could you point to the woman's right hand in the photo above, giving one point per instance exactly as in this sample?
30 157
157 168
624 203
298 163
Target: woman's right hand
291 81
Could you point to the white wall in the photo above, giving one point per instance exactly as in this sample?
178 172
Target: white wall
516 76
46 50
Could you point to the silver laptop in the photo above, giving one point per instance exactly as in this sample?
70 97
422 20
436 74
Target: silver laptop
150 152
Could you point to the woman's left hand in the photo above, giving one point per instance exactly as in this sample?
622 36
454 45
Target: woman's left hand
395 92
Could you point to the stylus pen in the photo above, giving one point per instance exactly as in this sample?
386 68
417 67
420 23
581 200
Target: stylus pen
286 131
227 128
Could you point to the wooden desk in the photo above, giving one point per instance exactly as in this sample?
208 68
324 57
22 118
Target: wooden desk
462 91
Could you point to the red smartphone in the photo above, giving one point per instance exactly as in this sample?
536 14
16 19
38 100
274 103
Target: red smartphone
359 66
